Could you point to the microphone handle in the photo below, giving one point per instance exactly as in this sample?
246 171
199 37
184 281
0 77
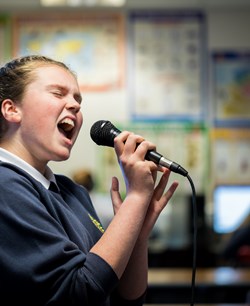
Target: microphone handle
162 161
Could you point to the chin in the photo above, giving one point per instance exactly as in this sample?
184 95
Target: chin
61 156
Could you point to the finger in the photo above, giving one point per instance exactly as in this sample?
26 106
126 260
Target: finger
144 147
132 144
115 195
160 188
119 141
171 190
163 201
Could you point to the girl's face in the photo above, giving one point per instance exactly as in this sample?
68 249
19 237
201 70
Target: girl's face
50 117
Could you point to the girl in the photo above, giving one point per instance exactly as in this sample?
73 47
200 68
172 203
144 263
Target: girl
54 250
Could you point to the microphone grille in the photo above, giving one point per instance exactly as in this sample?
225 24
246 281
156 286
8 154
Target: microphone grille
101 133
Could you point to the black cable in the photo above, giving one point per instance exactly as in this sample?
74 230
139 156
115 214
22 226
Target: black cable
194 239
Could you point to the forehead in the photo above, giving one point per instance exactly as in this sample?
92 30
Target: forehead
55 73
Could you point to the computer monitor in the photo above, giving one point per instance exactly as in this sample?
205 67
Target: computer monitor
231 207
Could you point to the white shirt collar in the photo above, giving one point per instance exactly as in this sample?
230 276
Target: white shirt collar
45 179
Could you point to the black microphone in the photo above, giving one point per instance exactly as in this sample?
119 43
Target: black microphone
103 133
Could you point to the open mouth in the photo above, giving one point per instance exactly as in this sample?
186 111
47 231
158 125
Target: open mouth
66 127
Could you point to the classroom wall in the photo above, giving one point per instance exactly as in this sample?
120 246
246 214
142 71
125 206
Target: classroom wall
227 29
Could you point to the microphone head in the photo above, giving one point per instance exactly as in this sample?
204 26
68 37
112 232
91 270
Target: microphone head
103 133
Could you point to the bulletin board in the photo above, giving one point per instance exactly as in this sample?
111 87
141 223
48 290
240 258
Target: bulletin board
185 144
166 62
91 44
230 156
4 38
231 83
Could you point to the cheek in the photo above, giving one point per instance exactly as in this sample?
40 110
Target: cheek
40 119
79 119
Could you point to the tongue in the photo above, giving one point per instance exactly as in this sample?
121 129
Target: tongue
65 127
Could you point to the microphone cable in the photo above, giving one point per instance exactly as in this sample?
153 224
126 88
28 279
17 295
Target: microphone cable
194 207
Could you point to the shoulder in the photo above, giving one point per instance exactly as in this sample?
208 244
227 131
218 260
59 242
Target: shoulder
12 175
67 185
64 182
74 193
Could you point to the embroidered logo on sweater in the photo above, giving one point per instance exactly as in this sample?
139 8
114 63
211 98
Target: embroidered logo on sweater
96 223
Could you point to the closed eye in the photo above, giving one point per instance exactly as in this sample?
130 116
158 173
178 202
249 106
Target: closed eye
58 93
57 90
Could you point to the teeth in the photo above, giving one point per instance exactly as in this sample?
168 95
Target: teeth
68 121
67 124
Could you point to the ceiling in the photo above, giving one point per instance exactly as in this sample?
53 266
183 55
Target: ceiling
14 5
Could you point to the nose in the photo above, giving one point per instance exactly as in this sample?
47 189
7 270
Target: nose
73 105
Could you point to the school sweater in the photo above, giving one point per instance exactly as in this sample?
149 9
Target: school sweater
45 238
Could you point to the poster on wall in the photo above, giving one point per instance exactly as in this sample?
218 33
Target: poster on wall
92 45
4 39
166 62
231 83
230 156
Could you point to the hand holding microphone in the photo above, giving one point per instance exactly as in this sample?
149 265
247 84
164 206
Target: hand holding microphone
103 133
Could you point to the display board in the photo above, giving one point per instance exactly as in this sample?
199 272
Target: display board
231 88
230 156
91 44
4 38
166 62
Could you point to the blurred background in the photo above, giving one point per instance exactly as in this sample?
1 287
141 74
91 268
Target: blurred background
178 73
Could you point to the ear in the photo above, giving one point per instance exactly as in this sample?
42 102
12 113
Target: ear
10 111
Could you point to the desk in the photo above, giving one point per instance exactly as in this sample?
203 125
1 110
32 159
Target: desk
217 285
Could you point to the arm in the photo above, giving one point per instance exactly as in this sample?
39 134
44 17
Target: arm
134 280
45 258
124 244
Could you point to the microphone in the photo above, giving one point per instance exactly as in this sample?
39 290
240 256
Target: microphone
103 133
